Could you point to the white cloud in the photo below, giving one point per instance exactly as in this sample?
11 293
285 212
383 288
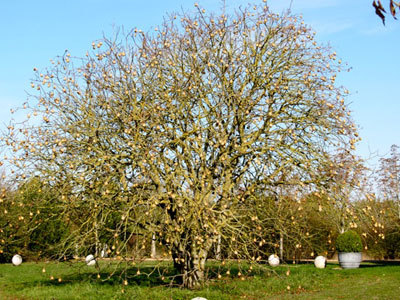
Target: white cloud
299 5
324 16
377 30
331 27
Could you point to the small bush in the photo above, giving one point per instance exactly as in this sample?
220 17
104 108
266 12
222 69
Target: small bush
349 241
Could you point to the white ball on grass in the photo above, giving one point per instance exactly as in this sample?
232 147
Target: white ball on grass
16 260
199 298
273 260
90 261
320 262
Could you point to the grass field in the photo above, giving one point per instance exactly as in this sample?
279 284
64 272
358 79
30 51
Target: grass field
294 281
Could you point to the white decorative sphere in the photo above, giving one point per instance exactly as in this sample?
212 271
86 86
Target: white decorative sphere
320 262
17 260
273 260
90 261
199 298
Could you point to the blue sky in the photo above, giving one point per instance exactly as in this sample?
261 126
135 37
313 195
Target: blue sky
33 32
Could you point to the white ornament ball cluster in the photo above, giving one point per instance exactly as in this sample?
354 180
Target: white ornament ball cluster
273 260
320 262
16 260
90 261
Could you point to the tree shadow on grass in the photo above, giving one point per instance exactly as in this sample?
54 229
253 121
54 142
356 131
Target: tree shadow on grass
364 263
379 263
148 277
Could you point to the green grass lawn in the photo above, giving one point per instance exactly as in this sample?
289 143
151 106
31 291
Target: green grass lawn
304 281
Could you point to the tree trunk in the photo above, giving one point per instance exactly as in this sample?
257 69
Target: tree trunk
218 254
190 265
153 246
96 243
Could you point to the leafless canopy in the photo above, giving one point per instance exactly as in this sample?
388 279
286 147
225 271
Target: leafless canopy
183 132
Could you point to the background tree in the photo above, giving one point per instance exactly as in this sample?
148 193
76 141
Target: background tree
30 221
384 209
346 176
375 226
173 132
389 176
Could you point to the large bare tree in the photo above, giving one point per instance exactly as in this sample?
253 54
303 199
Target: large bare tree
173 132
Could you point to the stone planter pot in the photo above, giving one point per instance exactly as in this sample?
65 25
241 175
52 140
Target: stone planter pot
350 260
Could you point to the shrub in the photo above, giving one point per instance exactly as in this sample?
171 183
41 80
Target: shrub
349 241
31 236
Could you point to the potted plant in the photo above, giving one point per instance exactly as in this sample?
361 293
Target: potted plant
349 247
